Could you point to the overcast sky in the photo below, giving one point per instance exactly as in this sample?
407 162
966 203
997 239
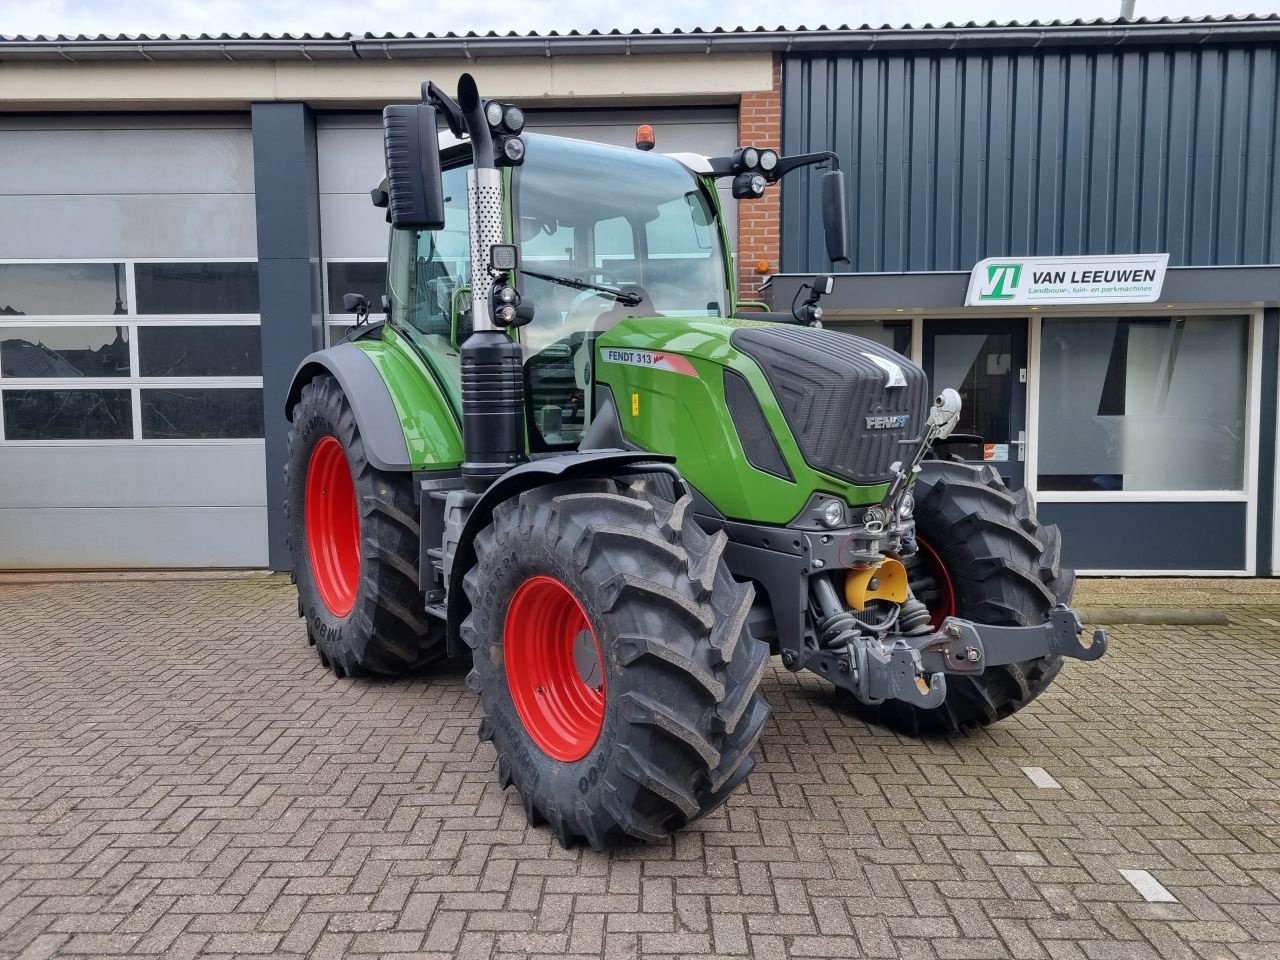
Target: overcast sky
422 16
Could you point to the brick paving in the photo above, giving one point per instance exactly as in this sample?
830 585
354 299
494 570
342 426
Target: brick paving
180 778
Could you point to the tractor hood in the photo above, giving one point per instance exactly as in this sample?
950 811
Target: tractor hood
760 416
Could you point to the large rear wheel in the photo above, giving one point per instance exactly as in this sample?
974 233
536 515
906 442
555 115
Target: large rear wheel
983 555
613 660
353 533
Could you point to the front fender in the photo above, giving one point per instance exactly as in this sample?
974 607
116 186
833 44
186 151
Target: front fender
370 400
536 473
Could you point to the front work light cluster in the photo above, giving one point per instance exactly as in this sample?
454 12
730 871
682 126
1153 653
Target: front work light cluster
504 298
505 122
753 169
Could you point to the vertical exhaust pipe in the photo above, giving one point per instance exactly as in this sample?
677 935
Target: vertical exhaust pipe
492 371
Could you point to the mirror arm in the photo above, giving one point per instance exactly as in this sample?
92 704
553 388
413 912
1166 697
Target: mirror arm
724 166
448 106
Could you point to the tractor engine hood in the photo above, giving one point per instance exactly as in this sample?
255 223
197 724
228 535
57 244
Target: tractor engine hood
853 405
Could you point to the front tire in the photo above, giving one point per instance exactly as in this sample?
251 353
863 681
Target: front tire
613 660
353 534
984 556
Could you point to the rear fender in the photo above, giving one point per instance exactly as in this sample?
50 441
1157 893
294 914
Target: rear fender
593 464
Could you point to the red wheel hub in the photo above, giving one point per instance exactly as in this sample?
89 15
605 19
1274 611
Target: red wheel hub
333 527
555 669
946 604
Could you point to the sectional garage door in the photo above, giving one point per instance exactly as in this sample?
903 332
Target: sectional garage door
354 232
130 365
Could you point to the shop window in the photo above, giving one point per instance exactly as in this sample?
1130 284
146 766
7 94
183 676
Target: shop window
1143 404
201 413
894 334
369 279
189 351
190 288
63 351
62 289
67 415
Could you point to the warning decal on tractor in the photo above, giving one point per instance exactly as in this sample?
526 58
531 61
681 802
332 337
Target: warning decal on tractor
648 358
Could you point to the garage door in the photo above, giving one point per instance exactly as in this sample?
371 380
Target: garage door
130 366
353 233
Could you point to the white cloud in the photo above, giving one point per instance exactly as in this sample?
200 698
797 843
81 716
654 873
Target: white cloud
403 16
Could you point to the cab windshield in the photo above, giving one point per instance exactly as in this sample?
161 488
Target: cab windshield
604 234
638 224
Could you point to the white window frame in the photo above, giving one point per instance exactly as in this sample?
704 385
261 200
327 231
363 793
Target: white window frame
134 382
1247 495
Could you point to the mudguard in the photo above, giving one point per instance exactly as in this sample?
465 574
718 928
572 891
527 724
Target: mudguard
371 402
536 473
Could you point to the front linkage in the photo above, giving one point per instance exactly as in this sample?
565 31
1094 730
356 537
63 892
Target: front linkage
914 668
901 657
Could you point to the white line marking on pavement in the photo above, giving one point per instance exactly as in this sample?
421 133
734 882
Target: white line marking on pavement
1040 777
1151 889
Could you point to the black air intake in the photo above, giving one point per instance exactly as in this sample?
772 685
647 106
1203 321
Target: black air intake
834 390
758 441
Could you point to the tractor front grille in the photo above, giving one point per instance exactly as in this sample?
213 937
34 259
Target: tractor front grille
834 392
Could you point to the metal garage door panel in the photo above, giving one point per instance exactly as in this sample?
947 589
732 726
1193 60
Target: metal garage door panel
146 161
130 537
353 227
195 226
133 475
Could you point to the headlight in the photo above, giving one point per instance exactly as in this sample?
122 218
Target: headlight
505 295
513 119
493 113
758 183
907 507
833 513
514 149
768 160
750 157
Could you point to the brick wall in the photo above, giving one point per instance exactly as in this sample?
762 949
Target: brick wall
760 221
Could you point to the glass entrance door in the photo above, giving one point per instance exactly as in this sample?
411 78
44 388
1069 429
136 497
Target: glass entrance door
986 361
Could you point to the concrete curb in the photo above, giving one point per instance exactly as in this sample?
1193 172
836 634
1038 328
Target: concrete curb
1163 616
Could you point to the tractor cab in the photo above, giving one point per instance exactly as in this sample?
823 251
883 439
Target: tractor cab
602 234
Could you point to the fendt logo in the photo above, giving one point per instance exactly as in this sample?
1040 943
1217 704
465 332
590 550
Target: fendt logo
1002 281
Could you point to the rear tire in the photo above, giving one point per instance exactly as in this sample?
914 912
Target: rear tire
676 711
999 566
356 561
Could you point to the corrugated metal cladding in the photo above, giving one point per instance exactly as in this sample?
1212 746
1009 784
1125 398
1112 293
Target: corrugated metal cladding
953 157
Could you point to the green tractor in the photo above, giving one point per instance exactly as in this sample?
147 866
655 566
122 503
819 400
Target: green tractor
570 453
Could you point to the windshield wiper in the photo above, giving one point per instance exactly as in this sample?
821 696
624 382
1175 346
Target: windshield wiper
628 299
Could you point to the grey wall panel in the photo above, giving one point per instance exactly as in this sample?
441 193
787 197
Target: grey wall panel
285 155
191 226
144 162
956 157
133 475
1150 536
125 537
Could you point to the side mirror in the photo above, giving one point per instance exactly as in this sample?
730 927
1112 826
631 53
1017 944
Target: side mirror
415 194
835 216
354 302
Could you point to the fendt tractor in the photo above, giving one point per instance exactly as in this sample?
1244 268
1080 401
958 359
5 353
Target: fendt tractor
570 453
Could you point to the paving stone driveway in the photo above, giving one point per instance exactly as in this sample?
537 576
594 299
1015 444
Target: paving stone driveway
178 777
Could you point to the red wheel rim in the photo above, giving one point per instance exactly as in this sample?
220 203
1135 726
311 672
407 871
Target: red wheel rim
946 606
333 527
548 642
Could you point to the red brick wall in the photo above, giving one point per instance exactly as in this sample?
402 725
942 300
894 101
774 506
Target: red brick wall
760 221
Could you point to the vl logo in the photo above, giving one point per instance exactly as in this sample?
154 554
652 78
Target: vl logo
1001 282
